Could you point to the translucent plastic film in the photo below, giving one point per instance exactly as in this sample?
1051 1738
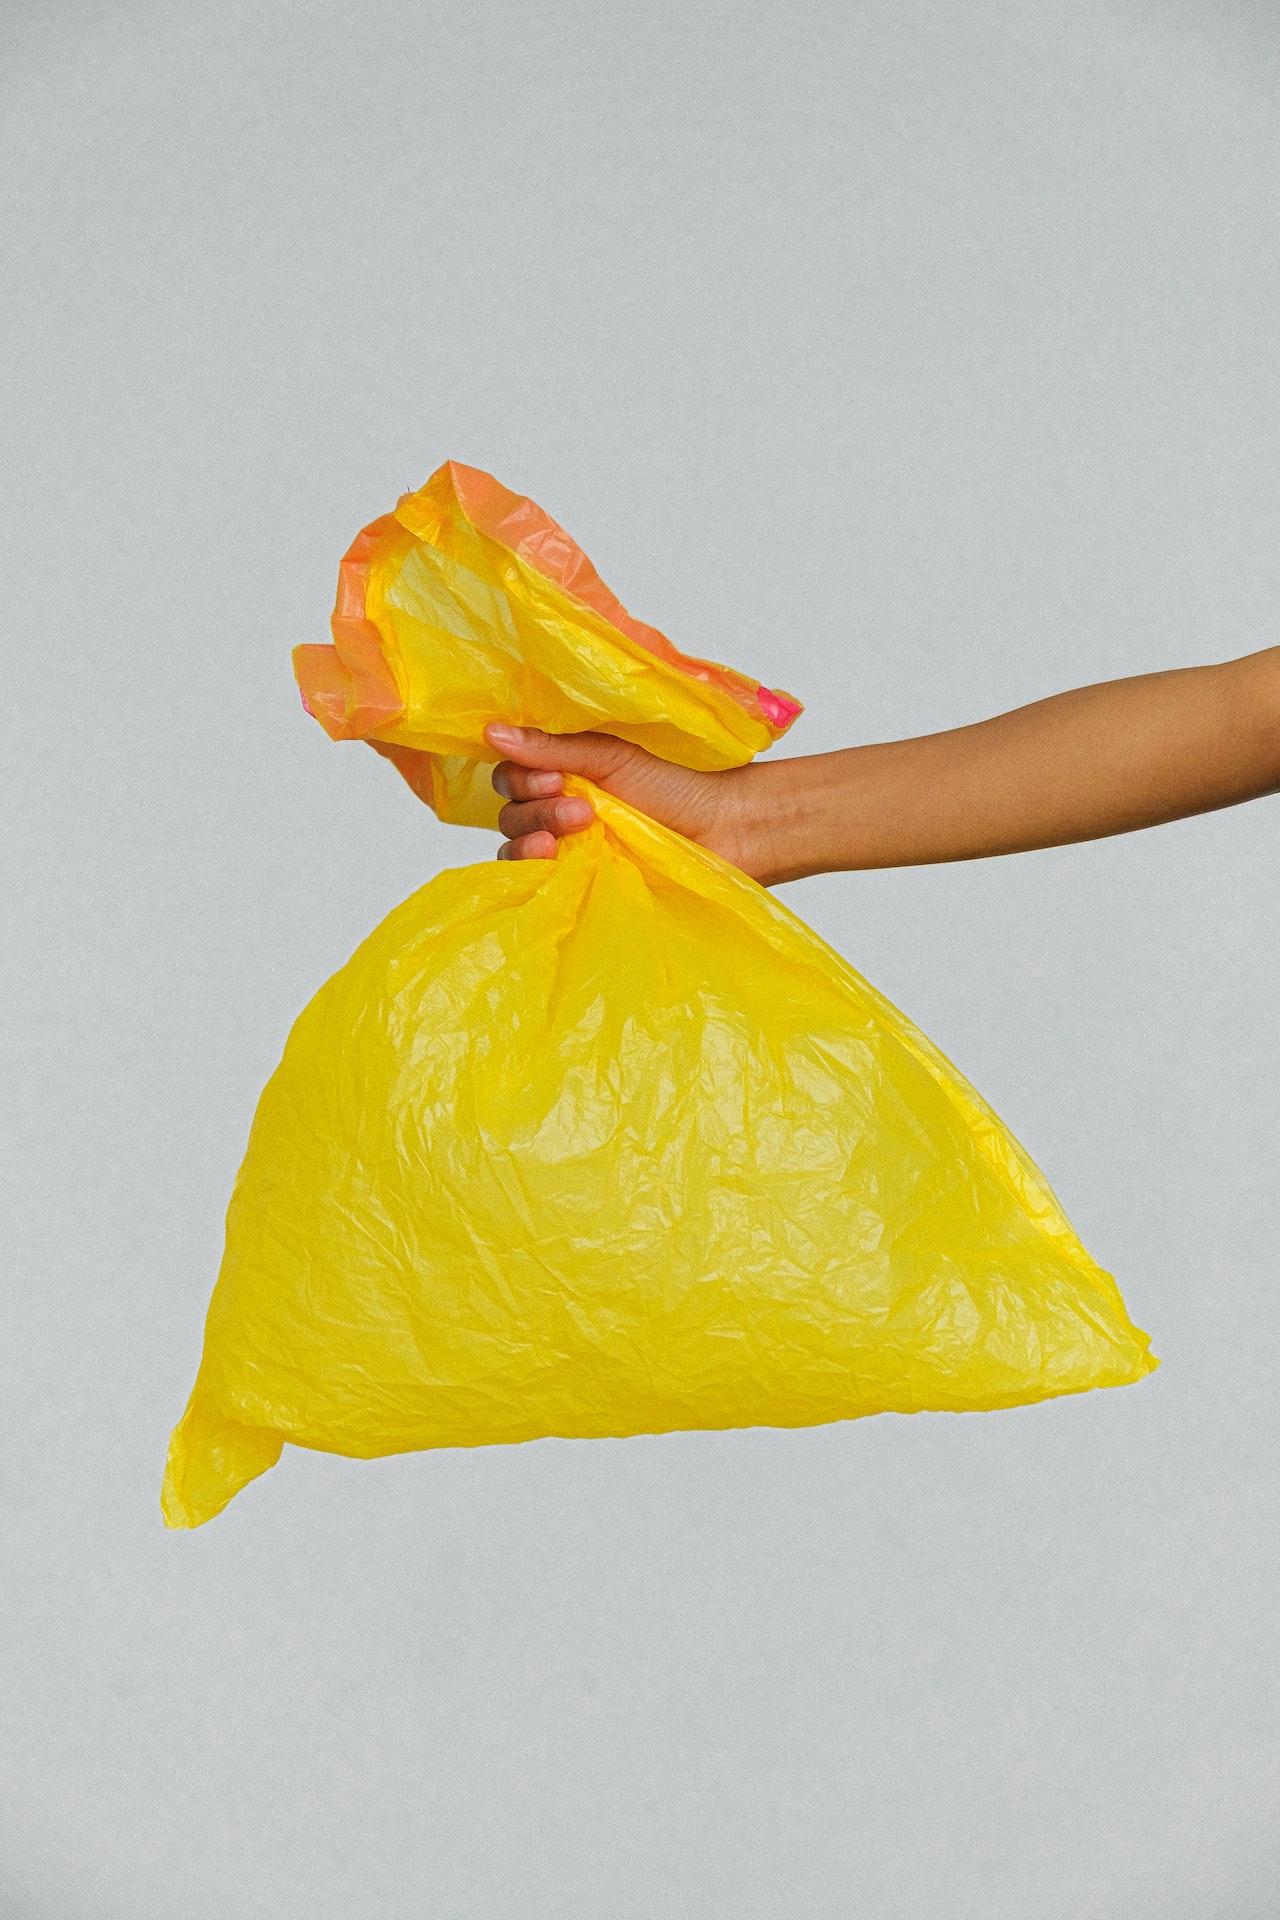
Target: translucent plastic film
612 1143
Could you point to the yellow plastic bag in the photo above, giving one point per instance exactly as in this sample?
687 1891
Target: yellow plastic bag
609 1144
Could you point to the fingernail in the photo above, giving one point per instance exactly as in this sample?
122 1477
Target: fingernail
504 735
574 813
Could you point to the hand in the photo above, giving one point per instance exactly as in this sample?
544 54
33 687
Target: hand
710 808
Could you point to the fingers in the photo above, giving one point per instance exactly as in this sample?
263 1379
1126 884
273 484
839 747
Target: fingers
532 846
531 778
552 817
525 783
596 755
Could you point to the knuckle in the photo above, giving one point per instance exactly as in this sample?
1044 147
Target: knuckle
523 817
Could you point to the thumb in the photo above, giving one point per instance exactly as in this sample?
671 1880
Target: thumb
594 755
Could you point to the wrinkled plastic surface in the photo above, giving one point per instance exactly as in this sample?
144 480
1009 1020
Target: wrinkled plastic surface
613 1143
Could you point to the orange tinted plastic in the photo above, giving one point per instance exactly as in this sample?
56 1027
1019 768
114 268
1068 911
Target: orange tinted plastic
350 687
523 528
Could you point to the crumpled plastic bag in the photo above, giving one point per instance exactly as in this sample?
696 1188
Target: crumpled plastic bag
611 1143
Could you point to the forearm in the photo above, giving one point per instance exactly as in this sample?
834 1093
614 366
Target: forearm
1100 760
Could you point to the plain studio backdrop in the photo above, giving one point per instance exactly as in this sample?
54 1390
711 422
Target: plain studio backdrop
919 356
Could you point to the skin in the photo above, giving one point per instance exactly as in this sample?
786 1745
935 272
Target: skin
1100 760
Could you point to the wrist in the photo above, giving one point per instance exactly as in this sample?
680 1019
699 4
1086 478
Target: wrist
763 805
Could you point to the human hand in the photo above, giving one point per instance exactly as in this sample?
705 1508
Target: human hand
712 809
1080 765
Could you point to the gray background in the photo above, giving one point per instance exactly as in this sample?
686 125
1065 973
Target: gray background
921 357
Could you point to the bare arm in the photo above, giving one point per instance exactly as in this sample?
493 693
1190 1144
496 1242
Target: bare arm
1101 760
